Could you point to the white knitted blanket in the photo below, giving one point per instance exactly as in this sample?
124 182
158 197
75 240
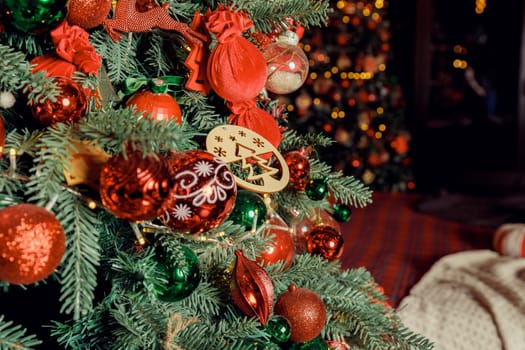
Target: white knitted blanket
473 300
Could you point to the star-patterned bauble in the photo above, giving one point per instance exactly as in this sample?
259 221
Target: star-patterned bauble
156 104
325 241
136 187
304 310
70 106
287 64
87 13
32 243
251 288
281 248
34 15
249 211
204 191
182 273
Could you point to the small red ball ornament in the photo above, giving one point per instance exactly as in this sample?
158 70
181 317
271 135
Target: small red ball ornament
282 246
203 193
156 104
304 310
70 105
299 167
32 243
136 188
87 13
325 241
301 227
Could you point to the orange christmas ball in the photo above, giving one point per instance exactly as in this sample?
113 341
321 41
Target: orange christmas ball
304 310
282 246
136 188
87 13
69 106
32 243
156 104
204 191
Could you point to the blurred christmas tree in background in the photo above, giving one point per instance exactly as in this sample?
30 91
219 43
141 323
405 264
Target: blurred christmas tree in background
351 95
153 196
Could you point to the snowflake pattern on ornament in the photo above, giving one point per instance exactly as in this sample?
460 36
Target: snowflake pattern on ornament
182 211
215 189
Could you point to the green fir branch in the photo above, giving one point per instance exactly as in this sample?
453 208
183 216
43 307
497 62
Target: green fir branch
78 271
155 56
13 337
293 141
197 110
119 57
51 160
34 45
269 18
115 130
15 74
349 190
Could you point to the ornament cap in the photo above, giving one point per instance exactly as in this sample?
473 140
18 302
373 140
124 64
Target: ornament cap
292 288
288 37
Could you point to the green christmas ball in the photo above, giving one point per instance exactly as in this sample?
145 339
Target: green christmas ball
279 328
267 346
249 210
341 212
317 189
181 271
34 15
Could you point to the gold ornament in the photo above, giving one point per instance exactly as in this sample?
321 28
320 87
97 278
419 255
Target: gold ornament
236 144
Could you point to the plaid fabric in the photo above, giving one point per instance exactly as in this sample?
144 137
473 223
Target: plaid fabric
398 245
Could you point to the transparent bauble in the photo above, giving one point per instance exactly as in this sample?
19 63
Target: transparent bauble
287 64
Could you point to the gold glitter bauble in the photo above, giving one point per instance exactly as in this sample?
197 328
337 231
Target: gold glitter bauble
32 243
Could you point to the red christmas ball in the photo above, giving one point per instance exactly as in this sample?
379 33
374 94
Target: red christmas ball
87 13
299 167
304 310
325 241
136 188
32 243
302 227
70 105
204 191
282 246
157 104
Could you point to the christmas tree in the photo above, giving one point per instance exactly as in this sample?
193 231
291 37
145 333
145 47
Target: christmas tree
352 96
150 183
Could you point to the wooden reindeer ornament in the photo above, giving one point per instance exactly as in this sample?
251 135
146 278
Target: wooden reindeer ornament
128 19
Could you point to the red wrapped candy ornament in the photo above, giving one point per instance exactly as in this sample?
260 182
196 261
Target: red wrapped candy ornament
236 68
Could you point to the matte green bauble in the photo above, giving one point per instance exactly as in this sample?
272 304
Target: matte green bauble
317 189
279 328
249 210
34 15
181 270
